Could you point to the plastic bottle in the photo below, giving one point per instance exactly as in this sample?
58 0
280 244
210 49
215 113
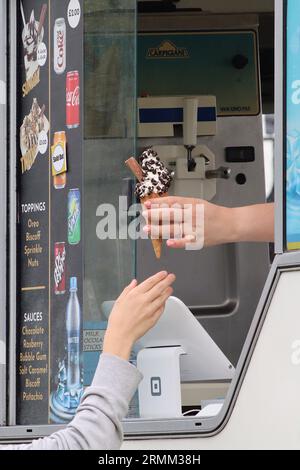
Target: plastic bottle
73 321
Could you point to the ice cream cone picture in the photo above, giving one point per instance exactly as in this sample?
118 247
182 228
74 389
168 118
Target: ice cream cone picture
154 180
35 50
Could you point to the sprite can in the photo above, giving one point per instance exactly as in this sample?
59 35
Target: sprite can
74 223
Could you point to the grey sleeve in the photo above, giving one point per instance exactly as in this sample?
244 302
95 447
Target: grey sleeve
97 423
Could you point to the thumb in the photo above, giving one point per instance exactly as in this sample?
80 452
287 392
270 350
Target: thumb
176 243
127 289
186 242
132 285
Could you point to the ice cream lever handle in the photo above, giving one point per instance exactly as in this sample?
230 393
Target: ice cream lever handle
207 161
222 172
190 129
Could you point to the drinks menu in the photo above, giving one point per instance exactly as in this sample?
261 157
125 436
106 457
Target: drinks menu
50 191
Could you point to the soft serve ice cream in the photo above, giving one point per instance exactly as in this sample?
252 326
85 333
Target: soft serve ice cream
156 178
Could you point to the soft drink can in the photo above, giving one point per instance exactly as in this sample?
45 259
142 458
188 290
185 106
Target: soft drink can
74 217
72 100
60 181
60 268
60 46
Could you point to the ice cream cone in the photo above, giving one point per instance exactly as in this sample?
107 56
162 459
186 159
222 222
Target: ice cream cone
156 242
137 170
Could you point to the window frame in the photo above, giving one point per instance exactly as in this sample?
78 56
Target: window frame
141 429
3 214
280 127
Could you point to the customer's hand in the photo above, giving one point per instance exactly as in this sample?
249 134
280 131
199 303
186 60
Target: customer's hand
136 311
188 222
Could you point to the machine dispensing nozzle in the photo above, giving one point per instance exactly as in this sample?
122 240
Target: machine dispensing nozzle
190 160
222 173
190 129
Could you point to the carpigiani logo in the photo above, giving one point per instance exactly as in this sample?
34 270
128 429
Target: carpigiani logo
167 50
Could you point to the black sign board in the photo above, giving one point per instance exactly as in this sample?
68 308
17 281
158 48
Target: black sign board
50 186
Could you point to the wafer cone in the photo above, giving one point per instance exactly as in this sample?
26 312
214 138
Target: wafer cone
137 171
156 242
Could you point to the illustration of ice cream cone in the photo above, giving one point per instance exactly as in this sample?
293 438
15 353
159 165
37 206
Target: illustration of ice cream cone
32 36
154 180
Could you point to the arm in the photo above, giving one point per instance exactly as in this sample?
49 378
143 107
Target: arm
254 223
239 224
97 423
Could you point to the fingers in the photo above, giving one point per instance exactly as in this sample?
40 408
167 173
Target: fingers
127 289
164 231
172 222
164 215
156 316
159 302
179 243
131 286
151 282
182 242
167 201
160 288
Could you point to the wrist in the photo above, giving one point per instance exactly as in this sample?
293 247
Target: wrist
231 225
117 346
235 224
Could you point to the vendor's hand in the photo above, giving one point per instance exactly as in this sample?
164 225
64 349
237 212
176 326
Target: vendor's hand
188 222
136 311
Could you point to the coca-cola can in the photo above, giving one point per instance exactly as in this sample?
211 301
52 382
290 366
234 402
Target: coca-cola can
73 100
59 46
60 268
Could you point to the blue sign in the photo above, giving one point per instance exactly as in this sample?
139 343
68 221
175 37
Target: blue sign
293 126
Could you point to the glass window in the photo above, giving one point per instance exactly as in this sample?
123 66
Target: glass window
110 120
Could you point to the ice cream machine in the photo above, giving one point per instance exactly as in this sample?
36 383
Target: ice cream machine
199 106
194 165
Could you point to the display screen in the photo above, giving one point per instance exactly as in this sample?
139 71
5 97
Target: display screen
292 138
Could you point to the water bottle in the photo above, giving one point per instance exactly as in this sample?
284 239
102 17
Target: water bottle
73 338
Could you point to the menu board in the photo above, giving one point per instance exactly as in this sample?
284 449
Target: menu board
49 372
